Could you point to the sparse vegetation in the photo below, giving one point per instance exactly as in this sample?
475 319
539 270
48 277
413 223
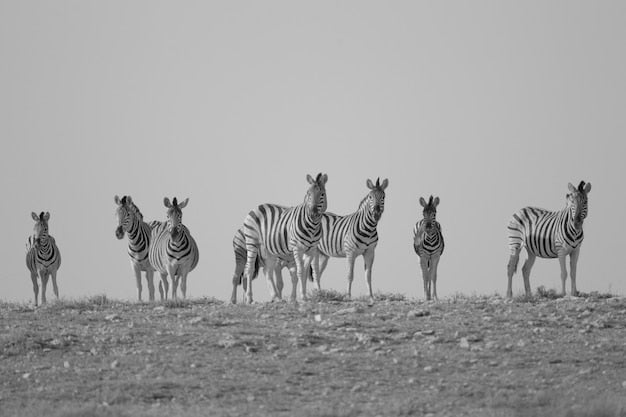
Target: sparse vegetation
475 356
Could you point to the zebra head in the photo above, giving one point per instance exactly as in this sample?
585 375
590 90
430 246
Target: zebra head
375 199
126 212
174 215
577 202
40 230
430 211
315 199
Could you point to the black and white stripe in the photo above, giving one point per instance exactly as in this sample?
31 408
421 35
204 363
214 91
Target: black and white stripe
354 234
549 234
130 222
428 243
276 231
173 250
43 258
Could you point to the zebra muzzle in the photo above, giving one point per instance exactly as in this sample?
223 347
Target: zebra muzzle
119 232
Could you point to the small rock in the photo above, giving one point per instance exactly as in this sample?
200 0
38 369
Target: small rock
251 349
66 365
114 364
428 332
624 384
26 375
250 398
318 318
349 310
93 351
417 313
196 320
159 308
464 343
113 317
428 368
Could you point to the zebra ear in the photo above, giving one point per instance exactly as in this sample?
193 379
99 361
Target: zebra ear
436 201
129 200
587 188
166 202
46 216
571 188
310 179
422 202
324 178
117 200
34 216
384 184
183 204
369 184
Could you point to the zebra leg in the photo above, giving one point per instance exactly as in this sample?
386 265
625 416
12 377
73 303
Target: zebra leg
322 268
150 280
434 263
138 280
174 280
183 284
298 257
511 268
425 276
164 287
526 272
54 284
368 257
278 273
249 270
351 260
33 278
573 261
237 279
44 282
563 273
270 265
294 282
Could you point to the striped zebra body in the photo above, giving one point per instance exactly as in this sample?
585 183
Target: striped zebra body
548 234
43 257
277 232
428 244
173 251
353 235
241 254
130 222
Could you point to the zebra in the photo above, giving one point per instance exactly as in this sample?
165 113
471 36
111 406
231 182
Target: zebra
549 234
276 231
173 250
428 244
354 234
130 221
239 248
42 256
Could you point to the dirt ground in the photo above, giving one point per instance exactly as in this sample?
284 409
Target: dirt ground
478 356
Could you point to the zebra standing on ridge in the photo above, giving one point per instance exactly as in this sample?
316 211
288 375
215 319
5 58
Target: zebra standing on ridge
428 244
277 231
173 250
130 221
241 255
354 234
42 256
549 234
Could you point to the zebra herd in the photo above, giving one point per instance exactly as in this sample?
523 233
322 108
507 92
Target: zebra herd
303 238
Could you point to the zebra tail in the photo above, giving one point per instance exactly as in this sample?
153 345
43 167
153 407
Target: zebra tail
311 273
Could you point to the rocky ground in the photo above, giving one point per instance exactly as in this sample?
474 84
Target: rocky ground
478 356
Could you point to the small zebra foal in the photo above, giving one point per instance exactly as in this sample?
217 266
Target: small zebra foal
42 256
428 244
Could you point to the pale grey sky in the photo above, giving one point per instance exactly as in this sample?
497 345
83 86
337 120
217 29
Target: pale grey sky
490 105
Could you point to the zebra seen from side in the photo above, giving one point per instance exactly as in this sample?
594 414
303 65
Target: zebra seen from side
549 234
173 251
130 222
276 232
43 257
241 255
353 235
428 244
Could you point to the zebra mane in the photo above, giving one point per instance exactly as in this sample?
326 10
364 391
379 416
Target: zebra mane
581 186
132 207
